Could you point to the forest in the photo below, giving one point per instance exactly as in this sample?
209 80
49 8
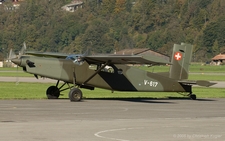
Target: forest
106 26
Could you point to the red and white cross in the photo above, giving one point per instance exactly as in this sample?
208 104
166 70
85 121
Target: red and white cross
178 56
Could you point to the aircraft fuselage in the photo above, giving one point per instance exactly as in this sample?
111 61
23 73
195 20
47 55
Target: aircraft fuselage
122 78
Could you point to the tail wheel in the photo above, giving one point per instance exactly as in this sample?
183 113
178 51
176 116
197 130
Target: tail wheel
193 96
53 92
75 94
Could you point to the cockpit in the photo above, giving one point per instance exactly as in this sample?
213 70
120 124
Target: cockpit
76 58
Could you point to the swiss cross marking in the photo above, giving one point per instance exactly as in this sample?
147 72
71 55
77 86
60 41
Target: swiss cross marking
178 56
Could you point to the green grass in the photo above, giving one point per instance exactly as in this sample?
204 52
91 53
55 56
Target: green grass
207 68
206 76
11 69
15 74
37 90
10 90
194 68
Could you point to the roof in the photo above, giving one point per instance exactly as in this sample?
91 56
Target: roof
74 3
141 51
219 57
133 51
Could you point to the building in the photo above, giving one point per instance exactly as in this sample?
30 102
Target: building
73 6
1 59
11 4
142 51
218 59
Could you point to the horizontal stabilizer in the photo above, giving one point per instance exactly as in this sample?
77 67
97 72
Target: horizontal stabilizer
204 83
198 82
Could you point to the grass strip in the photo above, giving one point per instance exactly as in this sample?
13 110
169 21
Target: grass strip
9 90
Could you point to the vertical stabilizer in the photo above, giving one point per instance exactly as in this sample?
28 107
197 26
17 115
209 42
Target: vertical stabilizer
180 60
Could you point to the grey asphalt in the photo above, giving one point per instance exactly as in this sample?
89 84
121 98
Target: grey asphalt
113 120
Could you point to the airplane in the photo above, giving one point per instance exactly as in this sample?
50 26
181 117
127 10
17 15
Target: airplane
89 72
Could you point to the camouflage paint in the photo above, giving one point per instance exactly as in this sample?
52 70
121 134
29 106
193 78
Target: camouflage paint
130 79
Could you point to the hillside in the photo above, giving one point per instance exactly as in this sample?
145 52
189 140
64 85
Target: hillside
109 25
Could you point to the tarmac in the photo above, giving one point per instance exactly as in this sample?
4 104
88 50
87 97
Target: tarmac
113 120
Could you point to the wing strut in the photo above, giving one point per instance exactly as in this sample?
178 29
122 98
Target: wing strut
96 72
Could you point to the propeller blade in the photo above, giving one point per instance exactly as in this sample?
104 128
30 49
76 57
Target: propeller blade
12 55
23 49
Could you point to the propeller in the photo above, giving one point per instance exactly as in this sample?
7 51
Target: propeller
16 58
12 54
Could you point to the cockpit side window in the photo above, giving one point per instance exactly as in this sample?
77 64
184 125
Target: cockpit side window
107 68
75 59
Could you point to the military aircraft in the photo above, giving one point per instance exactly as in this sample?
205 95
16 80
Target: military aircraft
88 72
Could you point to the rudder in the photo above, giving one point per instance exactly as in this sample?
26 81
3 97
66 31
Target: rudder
181 60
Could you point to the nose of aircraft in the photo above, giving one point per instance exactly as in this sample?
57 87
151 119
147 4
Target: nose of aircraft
16 61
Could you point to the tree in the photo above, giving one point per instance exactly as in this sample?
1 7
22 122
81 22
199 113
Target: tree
108 7
120 6
215 48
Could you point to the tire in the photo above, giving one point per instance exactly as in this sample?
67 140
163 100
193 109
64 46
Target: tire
75 94
193 96
52 92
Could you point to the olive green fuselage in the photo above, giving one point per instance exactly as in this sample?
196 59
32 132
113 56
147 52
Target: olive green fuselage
120 78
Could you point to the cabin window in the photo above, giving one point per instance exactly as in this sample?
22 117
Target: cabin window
95 67
120 71
75 59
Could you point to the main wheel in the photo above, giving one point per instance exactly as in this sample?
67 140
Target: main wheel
193 96
53 92
75 94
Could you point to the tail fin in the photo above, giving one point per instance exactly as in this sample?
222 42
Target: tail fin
181 59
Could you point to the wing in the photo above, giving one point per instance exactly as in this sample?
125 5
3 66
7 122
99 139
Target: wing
47 54
198 82
126 59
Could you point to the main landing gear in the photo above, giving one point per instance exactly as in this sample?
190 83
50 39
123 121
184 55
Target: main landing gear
53 92
75 94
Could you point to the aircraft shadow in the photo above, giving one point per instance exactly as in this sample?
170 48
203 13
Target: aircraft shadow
145 100
142 100
138 100
187 98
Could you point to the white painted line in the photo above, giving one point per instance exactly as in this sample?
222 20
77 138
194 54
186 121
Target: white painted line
113 130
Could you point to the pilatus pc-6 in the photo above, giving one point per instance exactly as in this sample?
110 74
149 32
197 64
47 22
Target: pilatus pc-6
89 71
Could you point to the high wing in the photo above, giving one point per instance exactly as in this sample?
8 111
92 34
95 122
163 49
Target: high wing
198 82
47 54
126 59
111 59
55 54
